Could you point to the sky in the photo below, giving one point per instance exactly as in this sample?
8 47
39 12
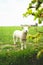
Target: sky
11 13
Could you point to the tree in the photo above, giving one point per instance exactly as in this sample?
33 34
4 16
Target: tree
38 13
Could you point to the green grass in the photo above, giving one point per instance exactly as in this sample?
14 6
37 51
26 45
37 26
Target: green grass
6 33
10 55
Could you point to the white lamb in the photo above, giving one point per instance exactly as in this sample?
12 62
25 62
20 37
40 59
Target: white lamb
22 36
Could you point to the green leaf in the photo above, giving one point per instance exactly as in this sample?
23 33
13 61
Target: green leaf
35 17
33 1
30 11
30 4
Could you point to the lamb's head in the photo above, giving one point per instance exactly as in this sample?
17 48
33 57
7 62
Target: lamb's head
25 29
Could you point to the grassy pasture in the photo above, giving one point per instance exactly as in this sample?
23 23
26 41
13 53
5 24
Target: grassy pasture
6 33
10 55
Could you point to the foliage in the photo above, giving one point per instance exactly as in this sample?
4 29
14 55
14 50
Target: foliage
22 57
35 38
38 13
40 54
40 57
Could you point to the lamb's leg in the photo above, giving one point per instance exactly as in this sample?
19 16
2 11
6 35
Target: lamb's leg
24 45
21 44
15 42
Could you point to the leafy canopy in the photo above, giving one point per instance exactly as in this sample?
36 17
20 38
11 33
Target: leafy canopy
38 13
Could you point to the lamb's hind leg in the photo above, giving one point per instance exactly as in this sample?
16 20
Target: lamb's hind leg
15 42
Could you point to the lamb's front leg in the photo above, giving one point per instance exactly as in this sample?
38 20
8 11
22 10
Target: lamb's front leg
21 44
24 45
